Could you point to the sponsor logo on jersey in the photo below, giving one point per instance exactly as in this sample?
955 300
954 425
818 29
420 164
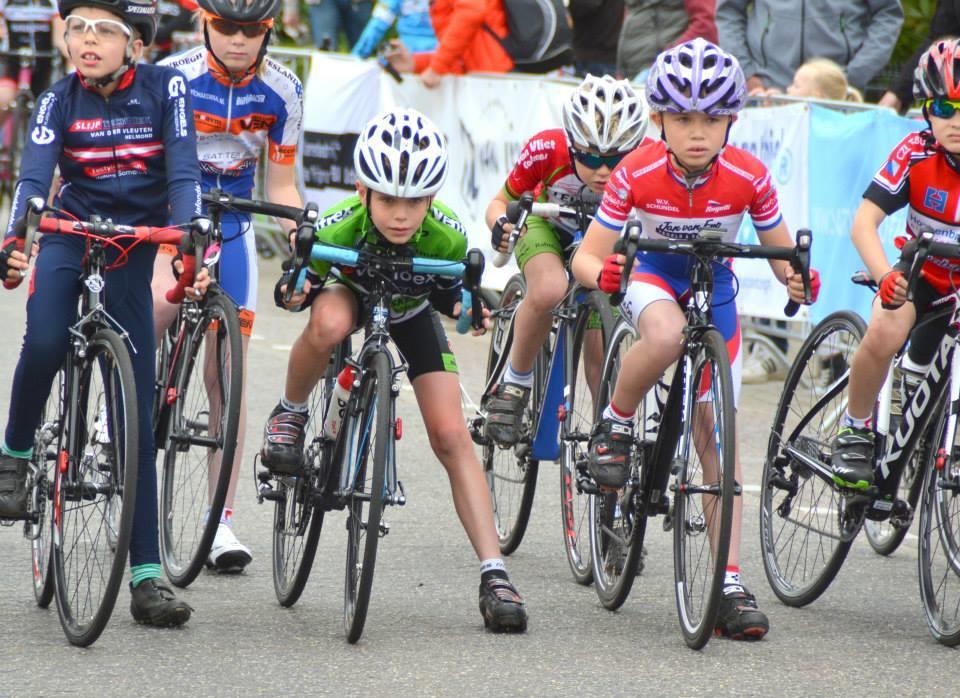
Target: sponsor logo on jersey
687 231
334 217
538 145
86 125
41 135
448 220
177 87
935 199
716 207
246 99
539 157
661 205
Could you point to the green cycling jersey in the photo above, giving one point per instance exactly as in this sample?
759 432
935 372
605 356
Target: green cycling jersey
440 236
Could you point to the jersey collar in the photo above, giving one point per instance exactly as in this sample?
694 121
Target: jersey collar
699 181
223 77
125 80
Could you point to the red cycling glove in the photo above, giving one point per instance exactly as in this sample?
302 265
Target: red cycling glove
814 285
888 287
608 280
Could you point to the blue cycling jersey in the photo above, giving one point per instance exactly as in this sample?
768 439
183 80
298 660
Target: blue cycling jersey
413 26
131 157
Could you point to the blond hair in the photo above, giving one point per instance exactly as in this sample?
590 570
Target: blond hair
831 82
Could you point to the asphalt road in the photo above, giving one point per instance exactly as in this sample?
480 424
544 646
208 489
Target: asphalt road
865 636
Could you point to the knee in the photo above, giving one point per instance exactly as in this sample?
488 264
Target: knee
448 440
327 329
546 293
665 340
884 338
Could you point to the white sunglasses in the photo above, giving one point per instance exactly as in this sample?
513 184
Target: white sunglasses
78 26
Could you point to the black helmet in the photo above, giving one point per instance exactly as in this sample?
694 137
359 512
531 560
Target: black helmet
139 14
242 11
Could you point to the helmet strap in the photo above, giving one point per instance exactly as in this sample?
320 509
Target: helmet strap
689 172
115 76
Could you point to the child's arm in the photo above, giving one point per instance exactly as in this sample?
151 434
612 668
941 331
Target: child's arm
779 236
866 238
591 258
41 151
180 149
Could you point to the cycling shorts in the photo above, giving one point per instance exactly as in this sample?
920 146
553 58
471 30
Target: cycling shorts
239 273
656 279
542 237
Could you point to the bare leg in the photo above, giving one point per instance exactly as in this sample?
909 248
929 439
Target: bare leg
546 286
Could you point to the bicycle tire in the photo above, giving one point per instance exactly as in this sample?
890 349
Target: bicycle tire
802 555
575 431
701 532
297 517
209 386
617 530
938 561
511 474
40 529
365 459
96 469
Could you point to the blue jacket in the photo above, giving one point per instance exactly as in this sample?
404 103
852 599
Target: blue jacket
131 156
413 26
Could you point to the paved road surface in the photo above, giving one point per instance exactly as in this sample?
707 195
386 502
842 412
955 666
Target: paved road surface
424 636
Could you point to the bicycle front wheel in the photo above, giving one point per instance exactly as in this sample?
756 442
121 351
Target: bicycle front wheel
297 518
201 436
40 529
584 361
939 559
368 444
95 487
704 489
616 527
511 472
805 528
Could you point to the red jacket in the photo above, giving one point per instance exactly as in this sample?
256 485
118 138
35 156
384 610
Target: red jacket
463 43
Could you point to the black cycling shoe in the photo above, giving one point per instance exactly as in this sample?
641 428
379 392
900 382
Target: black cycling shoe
609 458
283 437
13 487
505 413
501 606
852 458
739 618
153 603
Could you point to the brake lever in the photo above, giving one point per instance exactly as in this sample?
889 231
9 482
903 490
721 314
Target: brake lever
801 263
472 275
627 246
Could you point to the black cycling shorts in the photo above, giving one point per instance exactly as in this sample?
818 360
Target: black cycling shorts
423 344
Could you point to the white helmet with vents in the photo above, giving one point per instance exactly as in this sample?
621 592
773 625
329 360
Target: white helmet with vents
401 153
605 115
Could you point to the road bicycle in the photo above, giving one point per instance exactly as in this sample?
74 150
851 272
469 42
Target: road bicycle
82 479
685 471
198 401
555 426
808 522
356 471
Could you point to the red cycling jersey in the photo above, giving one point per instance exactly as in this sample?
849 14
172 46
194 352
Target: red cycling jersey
648 186
922 179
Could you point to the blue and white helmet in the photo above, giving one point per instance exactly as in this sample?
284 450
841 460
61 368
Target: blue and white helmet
401 153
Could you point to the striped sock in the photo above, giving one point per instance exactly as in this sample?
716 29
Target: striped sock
141 573
613 413
517 378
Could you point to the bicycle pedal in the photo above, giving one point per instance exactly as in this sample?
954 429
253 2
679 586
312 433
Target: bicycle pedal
901 515
384 528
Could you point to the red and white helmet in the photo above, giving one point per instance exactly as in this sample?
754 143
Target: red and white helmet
938 72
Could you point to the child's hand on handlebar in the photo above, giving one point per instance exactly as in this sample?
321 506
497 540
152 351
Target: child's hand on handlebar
487 323
893 289
795 285
608 280
500 234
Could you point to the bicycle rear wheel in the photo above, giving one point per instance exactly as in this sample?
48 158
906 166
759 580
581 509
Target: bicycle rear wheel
584 361
939 558
704 489
616 527
511 472
201 436
95 487
297 517
806 529
367 446
40 529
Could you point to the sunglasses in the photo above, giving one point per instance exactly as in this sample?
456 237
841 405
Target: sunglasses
227 28
78 26
594 161
943 108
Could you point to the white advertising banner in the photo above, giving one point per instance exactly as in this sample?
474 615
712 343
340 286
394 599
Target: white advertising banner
487 119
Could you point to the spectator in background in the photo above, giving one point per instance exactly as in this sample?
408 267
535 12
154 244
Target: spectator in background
945 22
821 78
328 20
596 33
413 26
773 38
650 26
467 41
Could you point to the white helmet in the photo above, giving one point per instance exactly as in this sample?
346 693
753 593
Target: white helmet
401 153
605 115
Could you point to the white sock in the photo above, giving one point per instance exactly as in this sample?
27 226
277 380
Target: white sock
292 406
492 564
849 421
522 379
611 412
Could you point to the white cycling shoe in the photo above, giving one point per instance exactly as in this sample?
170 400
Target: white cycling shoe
228 555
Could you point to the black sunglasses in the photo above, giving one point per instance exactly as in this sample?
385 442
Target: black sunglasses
594 161
228 28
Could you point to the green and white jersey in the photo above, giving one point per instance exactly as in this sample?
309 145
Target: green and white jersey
441 236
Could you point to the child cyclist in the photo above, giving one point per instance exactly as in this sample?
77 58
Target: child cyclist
244 104
401 163
689 178
603 120
115 129
922 173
